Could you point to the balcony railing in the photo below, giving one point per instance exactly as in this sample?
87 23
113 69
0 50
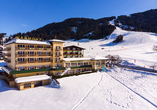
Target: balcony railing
57 55
40 48
20 55
19 62
47 60
58 61
31 61
40 61
58 49
40 54
31 54
47 49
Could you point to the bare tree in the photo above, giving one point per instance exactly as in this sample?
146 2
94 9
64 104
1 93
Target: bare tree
155 48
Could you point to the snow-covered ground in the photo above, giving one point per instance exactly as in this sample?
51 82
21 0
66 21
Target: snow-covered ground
117 89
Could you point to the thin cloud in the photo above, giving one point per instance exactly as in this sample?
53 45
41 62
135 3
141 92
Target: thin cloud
24 25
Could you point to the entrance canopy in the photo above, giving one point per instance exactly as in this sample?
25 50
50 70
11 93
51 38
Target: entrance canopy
32 78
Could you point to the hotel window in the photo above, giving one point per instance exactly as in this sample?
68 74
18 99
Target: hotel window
21 52
26 85
102 62
57 72
47 59
21 68
39 59
48 47
30 46
57 59
85 63
39 66
30 53
72 71
74 48
67 64
39 53
47 53
21 46
21 59
39 46
98 63
57 47
47 66
30 59
73 64
68 48
57 53
80 63
30 67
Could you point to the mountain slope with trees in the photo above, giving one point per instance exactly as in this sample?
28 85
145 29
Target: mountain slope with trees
144 21
79 28
64 30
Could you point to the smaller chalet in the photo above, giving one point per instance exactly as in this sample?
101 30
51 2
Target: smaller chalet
73 51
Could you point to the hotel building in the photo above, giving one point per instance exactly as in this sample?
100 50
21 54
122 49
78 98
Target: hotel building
31 63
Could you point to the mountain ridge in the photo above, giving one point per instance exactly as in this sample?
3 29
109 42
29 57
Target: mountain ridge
79 28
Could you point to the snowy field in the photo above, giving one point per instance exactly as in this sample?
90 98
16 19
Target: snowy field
117 89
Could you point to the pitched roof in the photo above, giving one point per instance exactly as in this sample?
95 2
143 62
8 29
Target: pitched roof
55 40
74 46
26 41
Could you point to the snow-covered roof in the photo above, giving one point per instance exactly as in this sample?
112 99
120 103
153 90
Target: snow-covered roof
73 45
56 40
32 78
26 41
7 70
94 58
99 58
75 59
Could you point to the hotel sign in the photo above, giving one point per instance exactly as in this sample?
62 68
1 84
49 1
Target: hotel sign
28 38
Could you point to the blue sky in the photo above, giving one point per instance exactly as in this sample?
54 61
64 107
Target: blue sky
27 15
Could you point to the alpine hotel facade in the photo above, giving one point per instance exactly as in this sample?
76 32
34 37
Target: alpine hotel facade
31 63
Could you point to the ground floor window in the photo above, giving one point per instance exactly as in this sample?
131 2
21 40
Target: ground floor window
39 66
80 63
30 67
73 64
102 62
98 63
26 85
72 71
67 64
39 83
21 68
57 72
78 70
47 73
85 63
47 66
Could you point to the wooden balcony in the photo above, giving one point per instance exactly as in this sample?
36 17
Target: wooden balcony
58 49
20 62
31 61
47 49
21 55
57 55
31 54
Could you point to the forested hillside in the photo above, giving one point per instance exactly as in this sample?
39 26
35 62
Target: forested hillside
78 28
74 28
145 21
